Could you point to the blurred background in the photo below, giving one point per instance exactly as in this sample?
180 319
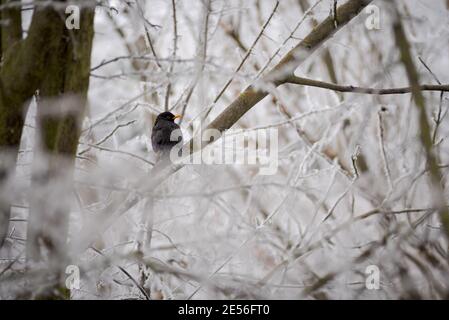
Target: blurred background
353 211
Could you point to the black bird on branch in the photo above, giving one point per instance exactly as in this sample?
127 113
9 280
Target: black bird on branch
166 133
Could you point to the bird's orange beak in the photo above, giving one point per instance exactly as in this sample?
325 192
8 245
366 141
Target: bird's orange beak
177 116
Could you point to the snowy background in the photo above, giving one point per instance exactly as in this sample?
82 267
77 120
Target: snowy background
223 231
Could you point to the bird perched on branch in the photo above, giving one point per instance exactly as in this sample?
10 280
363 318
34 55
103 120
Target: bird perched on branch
166 133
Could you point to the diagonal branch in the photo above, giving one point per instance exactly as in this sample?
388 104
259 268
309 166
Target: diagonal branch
247 54
243 103
285 68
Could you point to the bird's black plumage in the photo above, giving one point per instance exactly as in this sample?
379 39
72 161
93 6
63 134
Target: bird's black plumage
166 133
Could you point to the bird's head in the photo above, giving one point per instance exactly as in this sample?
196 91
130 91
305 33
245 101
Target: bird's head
168 116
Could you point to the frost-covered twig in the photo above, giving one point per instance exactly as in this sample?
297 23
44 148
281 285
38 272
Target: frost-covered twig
380 131
354 89
245 57
141 289
96 146
175 48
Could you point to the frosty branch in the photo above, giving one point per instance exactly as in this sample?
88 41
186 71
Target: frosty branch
242 104
362 90
286 67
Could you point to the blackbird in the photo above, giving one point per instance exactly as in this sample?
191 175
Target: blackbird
161 137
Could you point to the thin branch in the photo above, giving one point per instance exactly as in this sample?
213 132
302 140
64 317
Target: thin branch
354 89
440 105
202 50
382 151
113 131
251 96
245 57
108 136
430 71
175 48
300 22
11 263
141 289
119 151
138 57
123 106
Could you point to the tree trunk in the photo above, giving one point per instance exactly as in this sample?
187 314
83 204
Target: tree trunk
10 33
61 106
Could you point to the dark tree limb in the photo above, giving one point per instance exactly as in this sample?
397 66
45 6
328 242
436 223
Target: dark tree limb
354 89
11 30
61 107
23 68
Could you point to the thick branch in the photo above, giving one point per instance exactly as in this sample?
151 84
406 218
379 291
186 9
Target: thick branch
244 102
251 96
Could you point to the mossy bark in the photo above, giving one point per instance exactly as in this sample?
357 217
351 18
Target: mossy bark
10 33
11 17
23 67
56 62
61 106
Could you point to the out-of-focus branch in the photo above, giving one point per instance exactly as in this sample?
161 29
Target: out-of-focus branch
202 54
424 126
175 48
63 87
234 35
147 34
141 288
22 69
383 153
11 29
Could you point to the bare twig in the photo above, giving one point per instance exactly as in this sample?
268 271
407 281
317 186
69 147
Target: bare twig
354 89
119 151
440 105
245 57
141 289
175 48
380 130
